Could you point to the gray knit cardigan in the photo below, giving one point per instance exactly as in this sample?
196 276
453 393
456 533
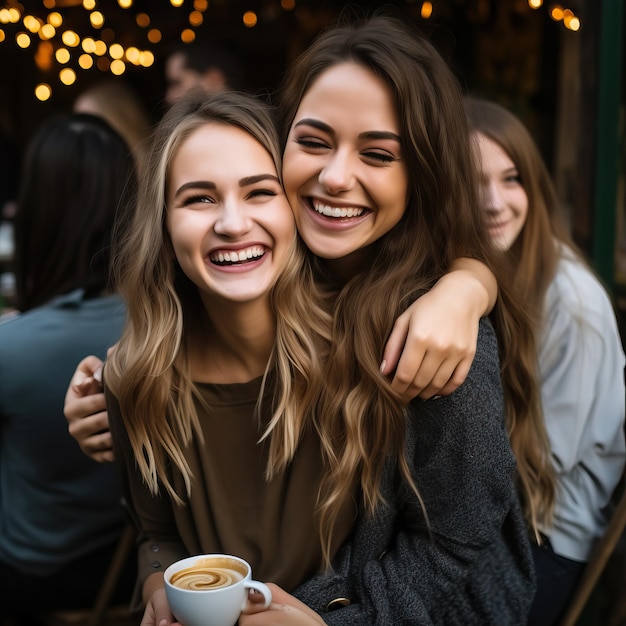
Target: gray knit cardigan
470 563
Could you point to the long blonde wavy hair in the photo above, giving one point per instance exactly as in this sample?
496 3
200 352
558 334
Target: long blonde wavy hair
532 260
360 421
149 372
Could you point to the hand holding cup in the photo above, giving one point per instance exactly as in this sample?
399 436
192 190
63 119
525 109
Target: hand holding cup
211 589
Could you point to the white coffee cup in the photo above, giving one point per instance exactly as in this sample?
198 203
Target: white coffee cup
219 585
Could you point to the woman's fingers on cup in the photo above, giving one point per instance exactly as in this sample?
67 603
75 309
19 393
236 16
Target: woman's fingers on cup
257 601
260 592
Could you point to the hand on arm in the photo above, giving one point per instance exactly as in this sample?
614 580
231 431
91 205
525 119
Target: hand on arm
432 344
285 609
85 411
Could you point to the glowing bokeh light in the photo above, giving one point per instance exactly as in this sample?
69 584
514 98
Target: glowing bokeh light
47 31
101 48
116 51
32 23
88 45
250 19
573 23
196 18
118 67
67 76
44 55
56 19
22 40
154 35
62 55
133 55
85 61
556 14
70 38
43 92
96 18
188 35
146 58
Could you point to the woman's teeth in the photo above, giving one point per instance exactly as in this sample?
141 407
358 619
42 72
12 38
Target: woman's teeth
237 256
329 211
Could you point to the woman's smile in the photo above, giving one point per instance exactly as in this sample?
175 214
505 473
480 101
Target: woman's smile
343 170
228 218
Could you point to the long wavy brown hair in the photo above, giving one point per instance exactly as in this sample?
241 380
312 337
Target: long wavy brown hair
532 264
149 372
361 423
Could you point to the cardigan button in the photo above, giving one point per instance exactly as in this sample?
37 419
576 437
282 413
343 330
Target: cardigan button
155 564
337 603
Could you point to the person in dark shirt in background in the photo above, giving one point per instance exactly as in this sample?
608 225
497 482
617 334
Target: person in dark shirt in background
61 513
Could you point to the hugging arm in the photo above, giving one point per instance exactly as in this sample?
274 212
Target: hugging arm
432 344
85 411
470 563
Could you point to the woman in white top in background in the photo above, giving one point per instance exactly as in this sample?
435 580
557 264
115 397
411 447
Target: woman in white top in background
580 358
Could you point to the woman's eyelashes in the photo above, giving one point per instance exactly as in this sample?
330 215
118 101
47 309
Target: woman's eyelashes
311 144
370 154
192 199
261 193
381 157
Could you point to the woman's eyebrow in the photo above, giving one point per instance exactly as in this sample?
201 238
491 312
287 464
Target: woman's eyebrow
309 121
251 180
195 184
369 134
380 134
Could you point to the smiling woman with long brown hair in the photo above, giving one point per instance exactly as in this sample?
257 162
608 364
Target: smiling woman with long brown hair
580 356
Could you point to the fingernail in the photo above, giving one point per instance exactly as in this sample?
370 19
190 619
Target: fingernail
382 366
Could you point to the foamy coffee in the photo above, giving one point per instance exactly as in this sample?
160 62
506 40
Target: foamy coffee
209 573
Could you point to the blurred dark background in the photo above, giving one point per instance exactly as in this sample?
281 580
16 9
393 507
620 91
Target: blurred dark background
558 65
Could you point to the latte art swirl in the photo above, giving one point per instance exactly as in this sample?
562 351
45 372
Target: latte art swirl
203 576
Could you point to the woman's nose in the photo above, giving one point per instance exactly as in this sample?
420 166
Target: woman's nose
492 198
337 174
233 220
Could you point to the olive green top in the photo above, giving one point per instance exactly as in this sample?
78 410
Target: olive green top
233 509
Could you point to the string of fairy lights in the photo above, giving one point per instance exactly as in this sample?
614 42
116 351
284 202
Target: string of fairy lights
57 48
